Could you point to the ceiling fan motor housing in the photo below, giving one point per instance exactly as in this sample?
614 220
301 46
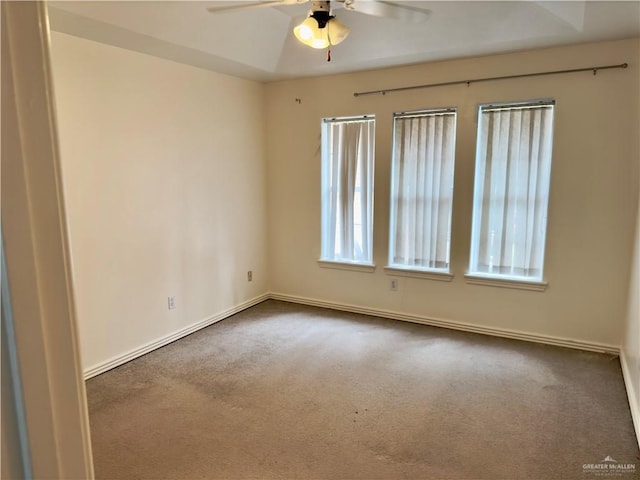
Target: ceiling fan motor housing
320 6
321 11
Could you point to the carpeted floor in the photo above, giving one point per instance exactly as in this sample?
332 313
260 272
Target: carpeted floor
287 391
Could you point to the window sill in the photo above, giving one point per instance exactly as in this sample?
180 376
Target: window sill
427 274
355 267
477 279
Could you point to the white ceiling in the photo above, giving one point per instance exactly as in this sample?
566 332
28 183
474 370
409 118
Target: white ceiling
258 44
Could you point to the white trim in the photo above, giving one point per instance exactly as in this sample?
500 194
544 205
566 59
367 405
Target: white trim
38 256
161 342
356 267
631 393
477 279
453 325
413 273
423 320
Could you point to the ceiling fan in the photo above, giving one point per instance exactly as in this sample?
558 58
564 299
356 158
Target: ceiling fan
321 28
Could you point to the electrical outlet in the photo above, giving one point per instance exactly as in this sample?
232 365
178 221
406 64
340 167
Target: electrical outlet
393 285
250 276
171 302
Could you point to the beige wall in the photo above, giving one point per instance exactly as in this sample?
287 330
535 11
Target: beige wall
631 343
166 185
593 198
164 176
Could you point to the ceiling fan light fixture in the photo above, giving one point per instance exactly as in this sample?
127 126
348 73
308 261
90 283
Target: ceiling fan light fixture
311 34
338 31
321 29
304 32
320 39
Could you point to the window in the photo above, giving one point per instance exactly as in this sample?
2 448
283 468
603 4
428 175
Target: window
422 190
347 189
513 166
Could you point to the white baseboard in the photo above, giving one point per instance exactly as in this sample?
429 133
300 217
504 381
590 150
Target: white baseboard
631 393
454 325
436 322
161 342
530 337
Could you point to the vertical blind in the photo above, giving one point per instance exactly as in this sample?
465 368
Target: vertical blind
422 190
513 166
347 190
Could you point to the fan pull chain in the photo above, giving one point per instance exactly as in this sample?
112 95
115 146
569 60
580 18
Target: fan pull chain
328 54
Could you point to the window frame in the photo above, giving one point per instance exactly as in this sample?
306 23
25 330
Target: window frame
331 261
534 283
393 268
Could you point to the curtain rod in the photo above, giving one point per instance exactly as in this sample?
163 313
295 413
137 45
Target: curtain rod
488 79
352 118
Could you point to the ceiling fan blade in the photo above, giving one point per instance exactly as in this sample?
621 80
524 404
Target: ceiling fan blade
251 5
387 9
